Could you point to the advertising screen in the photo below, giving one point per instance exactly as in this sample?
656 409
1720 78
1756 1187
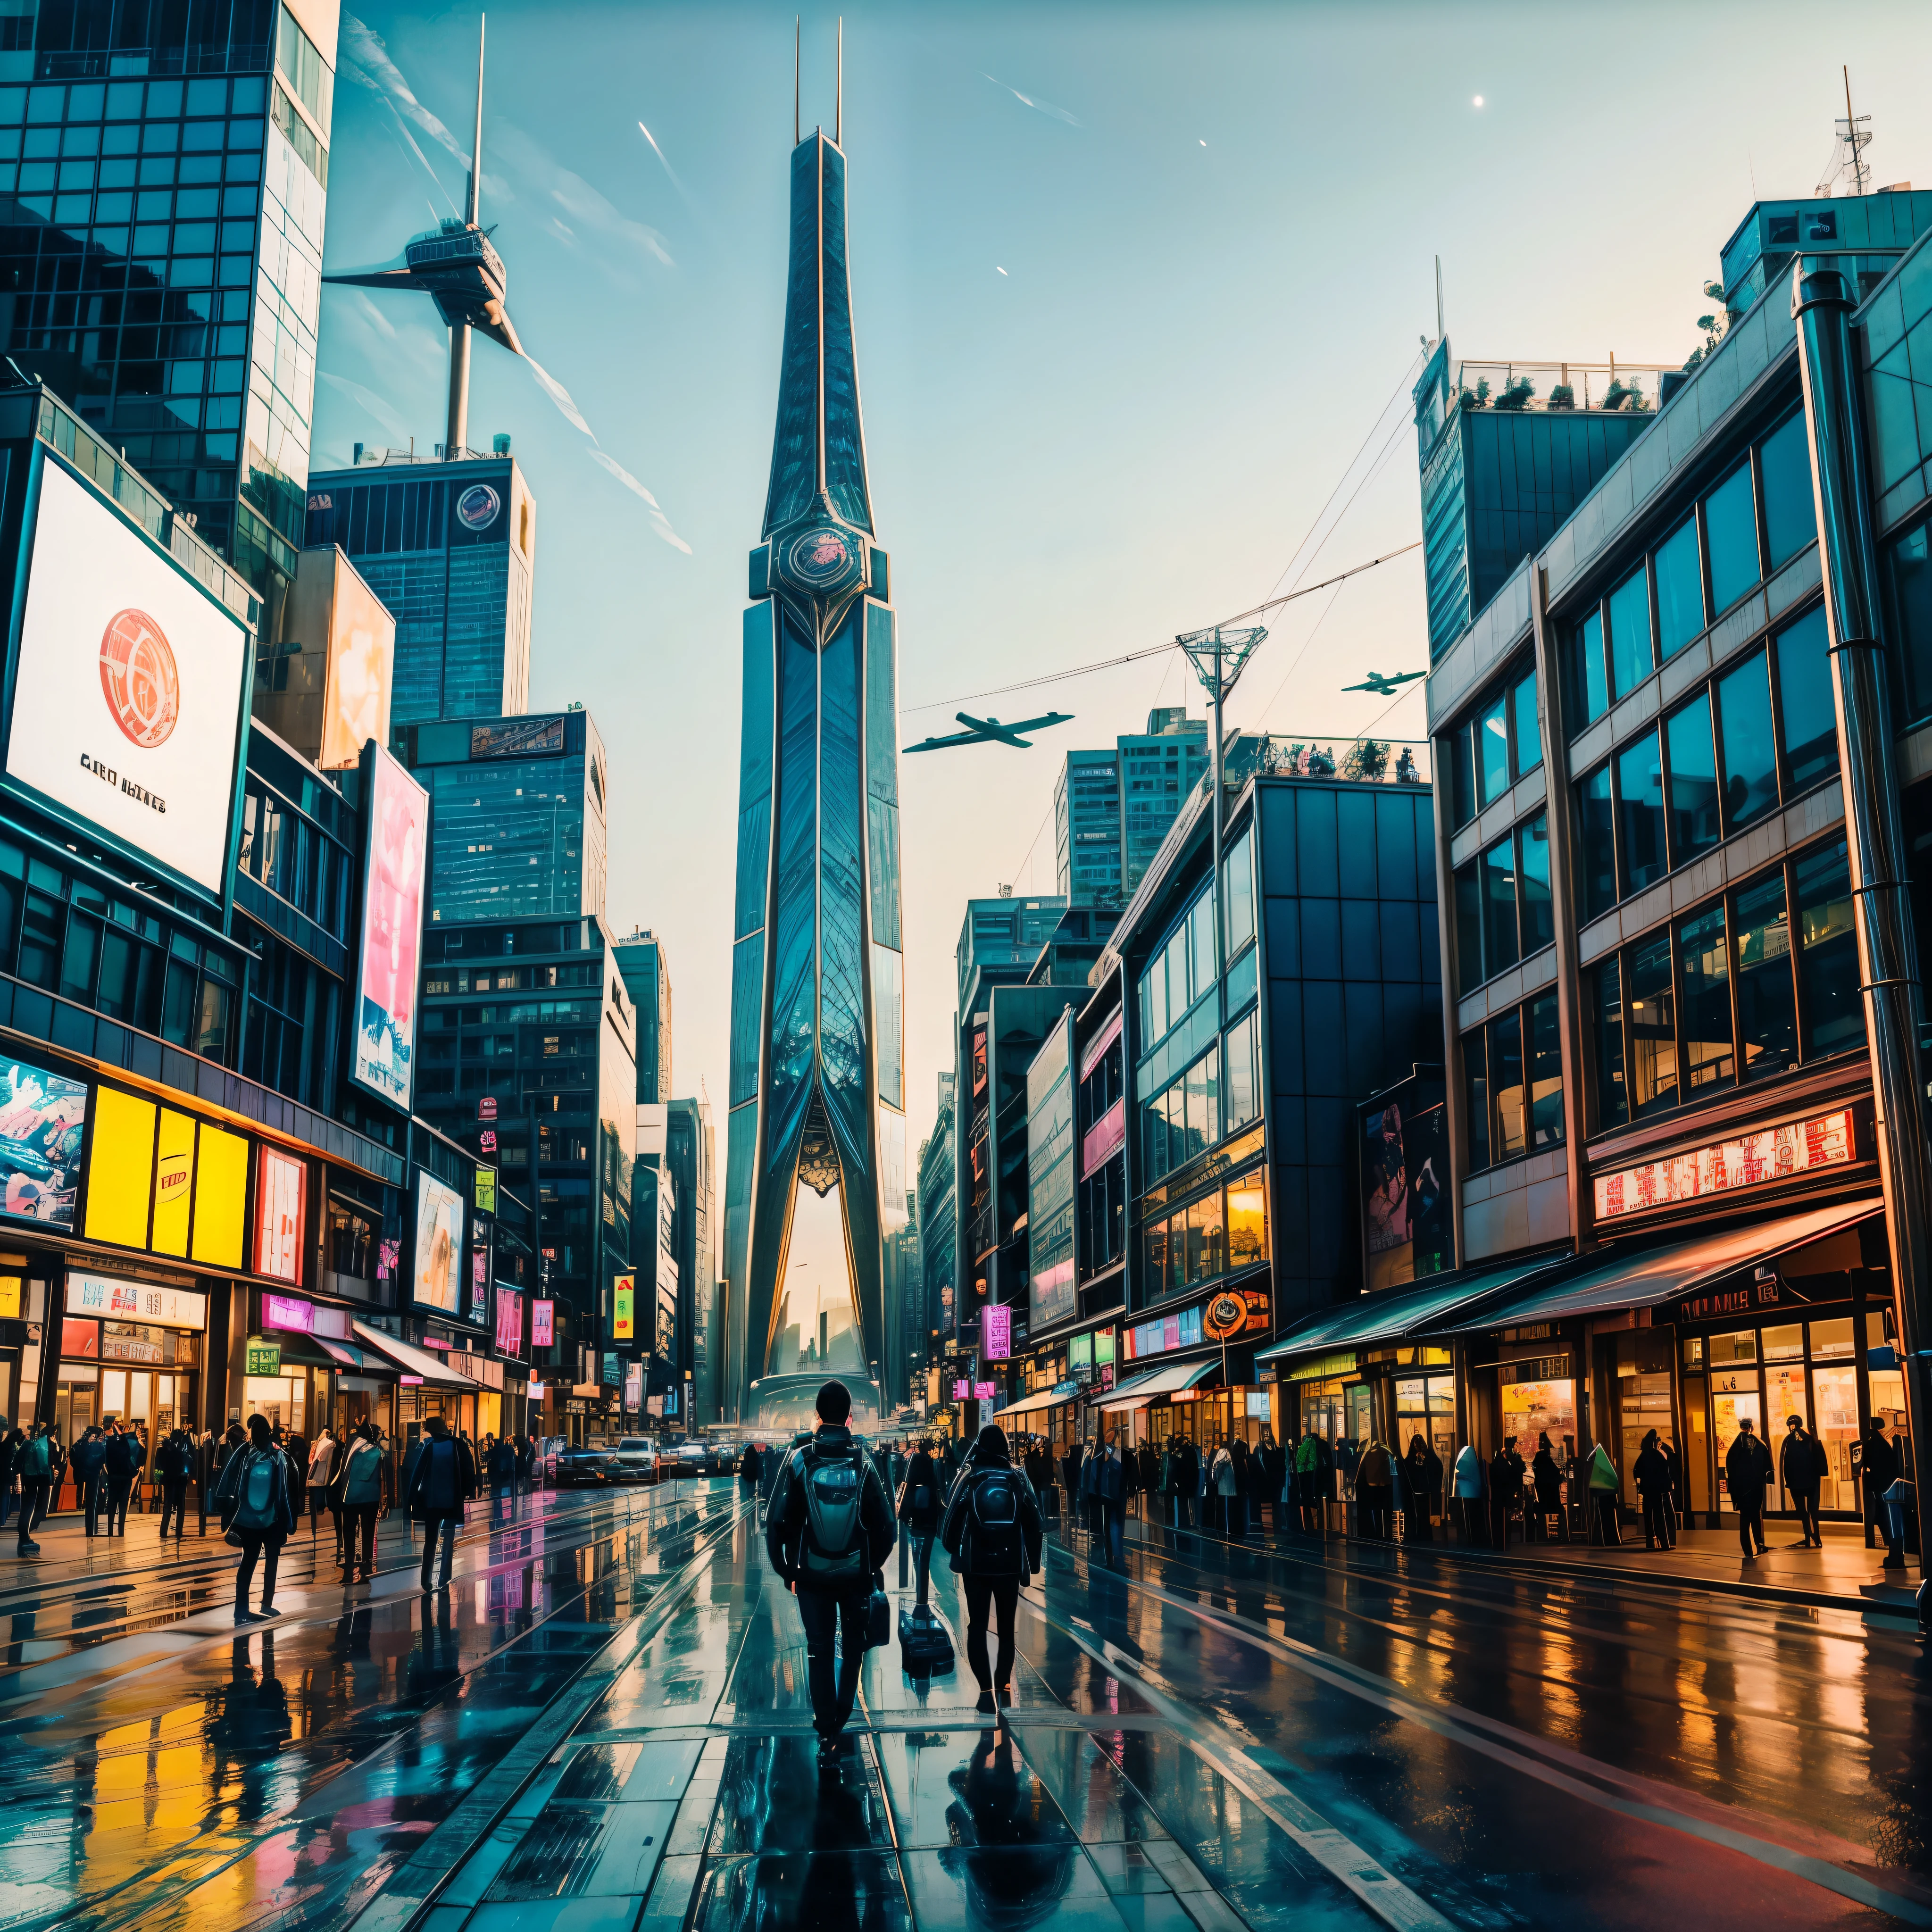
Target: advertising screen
392 893
634 1386
509 1324
480 1274
624 1308
543 1325
437 1268
1404 1195
281 1183
362 660
996 1333
127 699
42 1119
143 1301
486 1190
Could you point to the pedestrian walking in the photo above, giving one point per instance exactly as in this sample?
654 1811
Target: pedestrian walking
1802 1467
1374 1489
357 1501
994 1534
1469 1481
751 1473
35 1466
122 1464
1070 1474
174 1463
1422 1484
1602 1484
1674 1500
1880 1469
11 1442
257 1514
828 1531
1547 1475
1224 1480
298 1449
1653 1486
1106 1475
1747 1473
441 1480
1270 1481
499 1465
1314 1481
922 1508
322 1459
1148 1460
88 1462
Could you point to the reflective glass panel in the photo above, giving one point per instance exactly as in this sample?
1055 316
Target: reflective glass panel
1680 588
1499 933
1805 697
1828 958
1632 657
1730 530
1506 1068
1596 838
1652 1026
1704 963
1247 1220
1545 1072
1694 781
1528 735
1612 1101
1593 685
1469 927
1790 513
1750 753
1767 1001
842 1041
1640 843
1476 1095
1539 925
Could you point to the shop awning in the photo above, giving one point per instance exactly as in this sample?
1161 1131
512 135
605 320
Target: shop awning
1032 1405
411 1361
1641 1280
1386 1316
311 1351
356 1361
1137 1391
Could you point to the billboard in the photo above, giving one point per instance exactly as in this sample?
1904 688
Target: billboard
436 1266
509 1324
996 1333
521 738
281 1183
623 1309
128 688
392 894
543 1325
634 1388
42 1119
1405 1204
361 664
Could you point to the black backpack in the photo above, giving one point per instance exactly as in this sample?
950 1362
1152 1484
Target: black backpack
998 1546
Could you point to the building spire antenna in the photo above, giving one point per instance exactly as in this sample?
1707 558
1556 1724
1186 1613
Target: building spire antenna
797 50
839 97
476 151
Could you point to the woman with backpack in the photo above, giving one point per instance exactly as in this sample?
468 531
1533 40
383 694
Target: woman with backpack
34 1464
358 1500
993 1534
174 1463
922 1504
257 1513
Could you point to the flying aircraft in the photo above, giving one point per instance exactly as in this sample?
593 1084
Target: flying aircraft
1383 685
990 731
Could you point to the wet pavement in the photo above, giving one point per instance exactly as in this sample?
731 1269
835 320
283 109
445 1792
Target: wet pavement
603 1727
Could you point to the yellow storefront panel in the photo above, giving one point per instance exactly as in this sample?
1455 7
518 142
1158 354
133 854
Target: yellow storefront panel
120 1169
221 1198
174 1182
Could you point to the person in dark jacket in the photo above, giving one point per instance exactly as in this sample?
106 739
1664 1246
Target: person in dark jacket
1506 1472
1547 1475
258 1513
1070 1474
1269 1474
127 1457
1653 1485
1422 1490
922 1507
1881 1468
751 1473
994 1534
1374 1489
443 1479
88 1463
34 1461
356 1497
1675 1506
1802 1467
174 1463
833 1586
1747 1473
1152 1488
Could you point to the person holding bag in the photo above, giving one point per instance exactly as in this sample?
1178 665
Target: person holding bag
993 1534
921 1508
257 1514
355 1500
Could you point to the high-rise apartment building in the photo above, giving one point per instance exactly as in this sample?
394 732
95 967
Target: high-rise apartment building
166 169
517 817
646 976
690 1157
451 550
1112 809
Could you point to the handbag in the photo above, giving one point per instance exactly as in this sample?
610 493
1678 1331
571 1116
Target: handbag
878 1621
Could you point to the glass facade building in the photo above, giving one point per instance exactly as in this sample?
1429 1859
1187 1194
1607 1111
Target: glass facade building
451 550
646 975
1113 809
164 175
518 827
817 1093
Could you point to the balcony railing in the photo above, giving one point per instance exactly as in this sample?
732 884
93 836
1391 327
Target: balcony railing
1633 388
1364 760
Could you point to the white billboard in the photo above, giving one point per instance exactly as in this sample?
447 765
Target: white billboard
128 697
392 891
437 1264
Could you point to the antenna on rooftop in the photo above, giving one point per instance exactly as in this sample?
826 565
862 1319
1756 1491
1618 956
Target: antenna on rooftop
1438 299
1851 137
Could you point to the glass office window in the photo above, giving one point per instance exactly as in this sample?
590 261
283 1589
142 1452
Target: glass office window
1593 685
1751 751
1640 839
1529 734
1506 1077
1613 1099
1476 1095
1730 530
1907 563
1790 513
1828 958
1539 925
1680 588
1632 659
1693 780
1499 933
1651 1027
1492 760
1543 1043
1596 838
1469 927
1238 869
1462 775
1805 697
1704 968
1767 1006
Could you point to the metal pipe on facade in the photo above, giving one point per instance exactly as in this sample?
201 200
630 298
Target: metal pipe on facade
1821 306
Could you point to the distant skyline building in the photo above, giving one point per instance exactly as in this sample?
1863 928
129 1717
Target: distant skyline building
451 550
817 1091
518 816
646 974
1112 809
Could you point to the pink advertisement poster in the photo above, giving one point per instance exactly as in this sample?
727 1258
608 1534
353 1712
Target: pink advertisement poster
392 932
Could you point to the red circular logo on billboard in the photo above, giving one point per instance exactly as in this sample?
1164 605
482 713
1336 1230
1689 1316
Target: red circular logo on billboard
139 679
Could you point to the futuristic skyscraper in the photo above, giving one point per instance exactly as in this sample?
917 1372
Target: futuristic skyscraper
818 1030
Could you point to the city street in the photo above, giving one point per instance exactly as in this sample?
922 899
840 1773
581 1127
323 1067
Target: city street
606 1716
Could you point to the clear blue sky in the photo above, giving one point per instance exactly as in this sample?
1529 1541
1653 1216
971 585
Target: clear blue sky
1217 227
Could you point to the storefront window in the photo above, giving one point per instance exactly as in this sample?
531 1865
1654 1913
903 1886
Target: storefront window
278 1398
1425 1405
1533 1410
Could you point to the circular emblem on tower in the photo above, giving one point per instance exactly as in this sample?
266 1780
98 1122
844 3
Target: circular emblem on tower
139 678
479 507
823 560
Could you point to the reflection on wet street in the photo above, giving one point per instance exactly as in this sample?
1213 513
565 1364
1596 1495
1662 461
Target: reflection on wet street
603 1727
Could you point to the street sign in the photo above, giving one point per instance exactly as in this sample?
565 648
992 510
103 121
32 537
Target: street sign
264 1358
486 1107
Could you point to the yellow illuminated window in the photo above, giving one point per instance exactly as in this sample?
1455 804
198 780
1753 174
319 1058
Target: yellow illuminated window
174 1182
1247 1220
220 1197
120 1169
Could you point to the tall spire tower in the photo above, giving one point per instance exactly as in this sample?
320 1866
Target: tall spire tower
817 984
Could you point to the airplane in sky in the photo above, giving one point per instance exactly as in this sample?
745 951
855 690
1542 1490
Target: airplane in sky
990 731
1384 685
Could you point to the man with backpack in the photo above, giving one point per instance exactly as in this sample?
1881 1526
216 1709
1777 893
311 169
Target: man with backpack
828 1532
124 1461
88 1462
994 1534
174 1461
258 1513
441 1480
34 1465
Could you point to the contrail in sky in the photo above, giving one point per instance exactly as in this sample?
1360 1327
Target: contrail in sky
1038 107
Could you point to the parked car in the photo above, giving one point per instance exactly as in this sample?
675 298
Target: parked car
635 1459
585 1465
691 1457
